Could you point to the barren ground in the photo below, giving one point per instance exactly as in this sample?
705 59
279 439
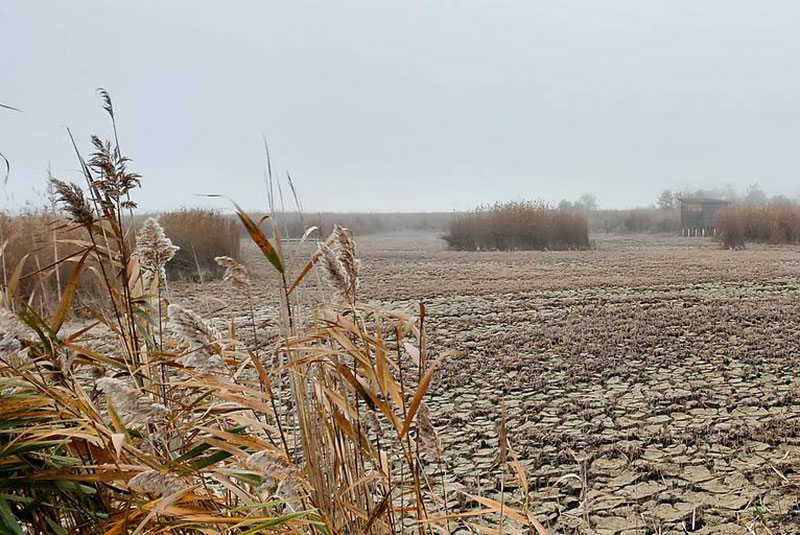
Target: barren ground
661 371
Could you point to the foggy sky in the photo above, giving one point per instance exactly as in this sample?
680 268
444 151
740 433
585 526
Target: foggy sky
408 106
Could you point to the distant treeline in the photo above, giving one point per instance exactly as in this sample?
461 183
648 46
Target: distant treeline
635 221
293 224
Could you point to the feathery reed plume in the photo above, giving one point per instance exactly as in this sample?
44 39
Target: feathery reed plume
340 266
235 272
114 180
156 483
270 463
429 439
73 202
371 422
191 328
107 106
333 271
202 362
280 475
155 249
129 403
11 330
202 337
346 250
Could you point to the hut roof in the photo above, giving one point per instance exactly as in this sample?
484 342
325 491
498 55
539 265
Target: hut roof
702 200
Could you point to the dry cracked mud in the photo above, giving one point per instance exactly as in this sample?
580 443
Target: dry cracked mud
650 385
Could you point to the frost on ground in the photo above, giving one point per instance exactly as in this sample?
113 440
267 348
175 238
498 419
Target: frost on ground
660 371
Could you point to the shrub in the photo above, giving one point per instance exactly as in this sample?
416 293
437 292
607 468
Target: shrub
777 222
201 235
518 226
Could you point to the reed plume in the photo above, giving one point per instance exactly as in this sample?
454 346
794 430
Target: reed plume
429 439
340 266
235 273
202 337
155 249
129 403
156 483
11 331
191 328
73 202
114 181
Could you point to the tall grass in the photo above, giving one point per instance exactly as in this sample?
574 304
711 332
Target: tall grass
29 242
775 223
151 419
518 226
42 238
201 235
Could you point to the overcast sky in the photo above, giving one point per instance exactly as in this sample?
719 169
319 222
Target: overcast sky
408 106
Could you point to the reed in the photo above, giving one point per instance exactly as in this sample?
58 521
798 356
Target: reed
202 235
518 226
142 422
774 223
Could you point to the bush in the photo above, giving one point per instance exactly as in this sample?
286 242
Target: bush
775 223
518 226
201 235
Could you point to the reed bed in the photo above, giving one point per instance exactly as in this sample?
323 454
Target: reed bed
32 242
201 235
774 223
515 226
153 419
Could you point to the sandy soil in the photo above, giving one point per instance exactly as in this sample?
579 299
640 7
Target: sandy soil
661 371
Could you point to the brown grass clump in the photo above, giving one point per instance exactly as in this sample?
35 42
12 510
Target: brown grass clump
516 226
202 235
773 223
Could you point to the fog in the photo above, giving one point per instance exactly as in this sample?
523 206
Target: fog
412 106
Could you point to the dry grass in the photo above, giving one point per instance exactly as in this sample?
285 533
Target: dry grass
772 223
201 235
518 226
33 241
50 249
151 419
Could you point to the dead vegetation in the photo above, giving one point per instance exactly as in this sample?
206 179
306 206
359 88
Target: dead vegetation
201 235
516 226
656 369
150 418
773 223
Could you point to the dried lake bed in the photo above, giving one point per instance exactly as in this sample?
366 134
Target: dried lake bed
650 384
